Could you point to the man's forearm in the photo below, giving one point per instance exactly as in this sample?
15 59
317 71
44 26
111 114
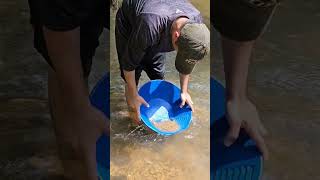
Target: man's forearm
236 57
64 53
131 81
184 81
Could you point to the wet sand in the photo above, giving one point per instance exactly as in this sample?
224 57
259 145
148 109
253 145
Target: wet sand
28 149
284 82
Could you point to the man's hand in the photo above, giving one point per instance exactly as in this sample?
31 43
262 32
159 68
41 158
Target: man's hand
89 126
134 101
186 98
243 114
92 117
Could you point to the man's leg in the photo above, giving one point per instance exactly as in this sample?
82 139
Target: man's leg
154 65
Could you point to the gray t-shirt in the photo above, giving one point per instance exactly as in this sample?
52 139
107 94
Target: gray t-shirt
147 24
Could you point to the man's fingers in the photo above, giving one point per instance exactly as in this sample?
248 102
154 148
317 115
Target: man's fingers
143 102
137 117
134 115
262 129
190 100
183 102
190 103
257 137
233 133
138 113
260 126
192 108
137 120
89 152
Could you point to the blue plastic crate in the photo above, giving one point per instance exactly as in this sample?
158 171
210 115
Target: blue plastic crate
164 100
242 160
100 98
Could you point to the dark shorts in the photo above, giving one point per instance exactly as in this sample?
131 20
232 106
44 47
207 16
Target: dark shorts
64 15
153 62
241 20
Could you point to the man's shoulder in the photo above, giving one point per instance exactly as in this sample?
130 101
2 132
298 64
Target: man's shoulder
152 22
168 7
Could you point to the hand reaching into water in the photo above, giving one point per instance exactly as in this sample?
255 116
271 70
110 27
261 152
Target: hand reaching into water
243 114
134 103
134 100
186 98
77 137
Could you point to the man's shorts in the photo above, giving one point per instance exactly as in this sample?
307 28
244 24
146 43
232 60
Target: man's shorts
153 64
64 15
242 20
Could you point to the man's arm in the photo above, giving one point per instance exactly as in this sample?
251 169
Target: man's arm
64 51
134 100
185 96
78 125
241 112
140 39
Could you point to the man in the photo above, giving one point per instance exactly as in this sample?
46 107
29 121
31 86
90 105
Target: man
240 23
145 31
66 34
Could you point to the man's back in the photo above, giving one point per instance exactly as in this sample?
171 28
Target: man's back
163 9
152 19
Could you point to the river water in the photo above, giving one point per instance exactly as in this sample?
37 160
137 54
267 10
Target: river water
137 154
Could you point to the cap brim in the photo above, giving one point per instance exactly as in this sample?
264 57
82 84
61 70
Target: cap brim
182 65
